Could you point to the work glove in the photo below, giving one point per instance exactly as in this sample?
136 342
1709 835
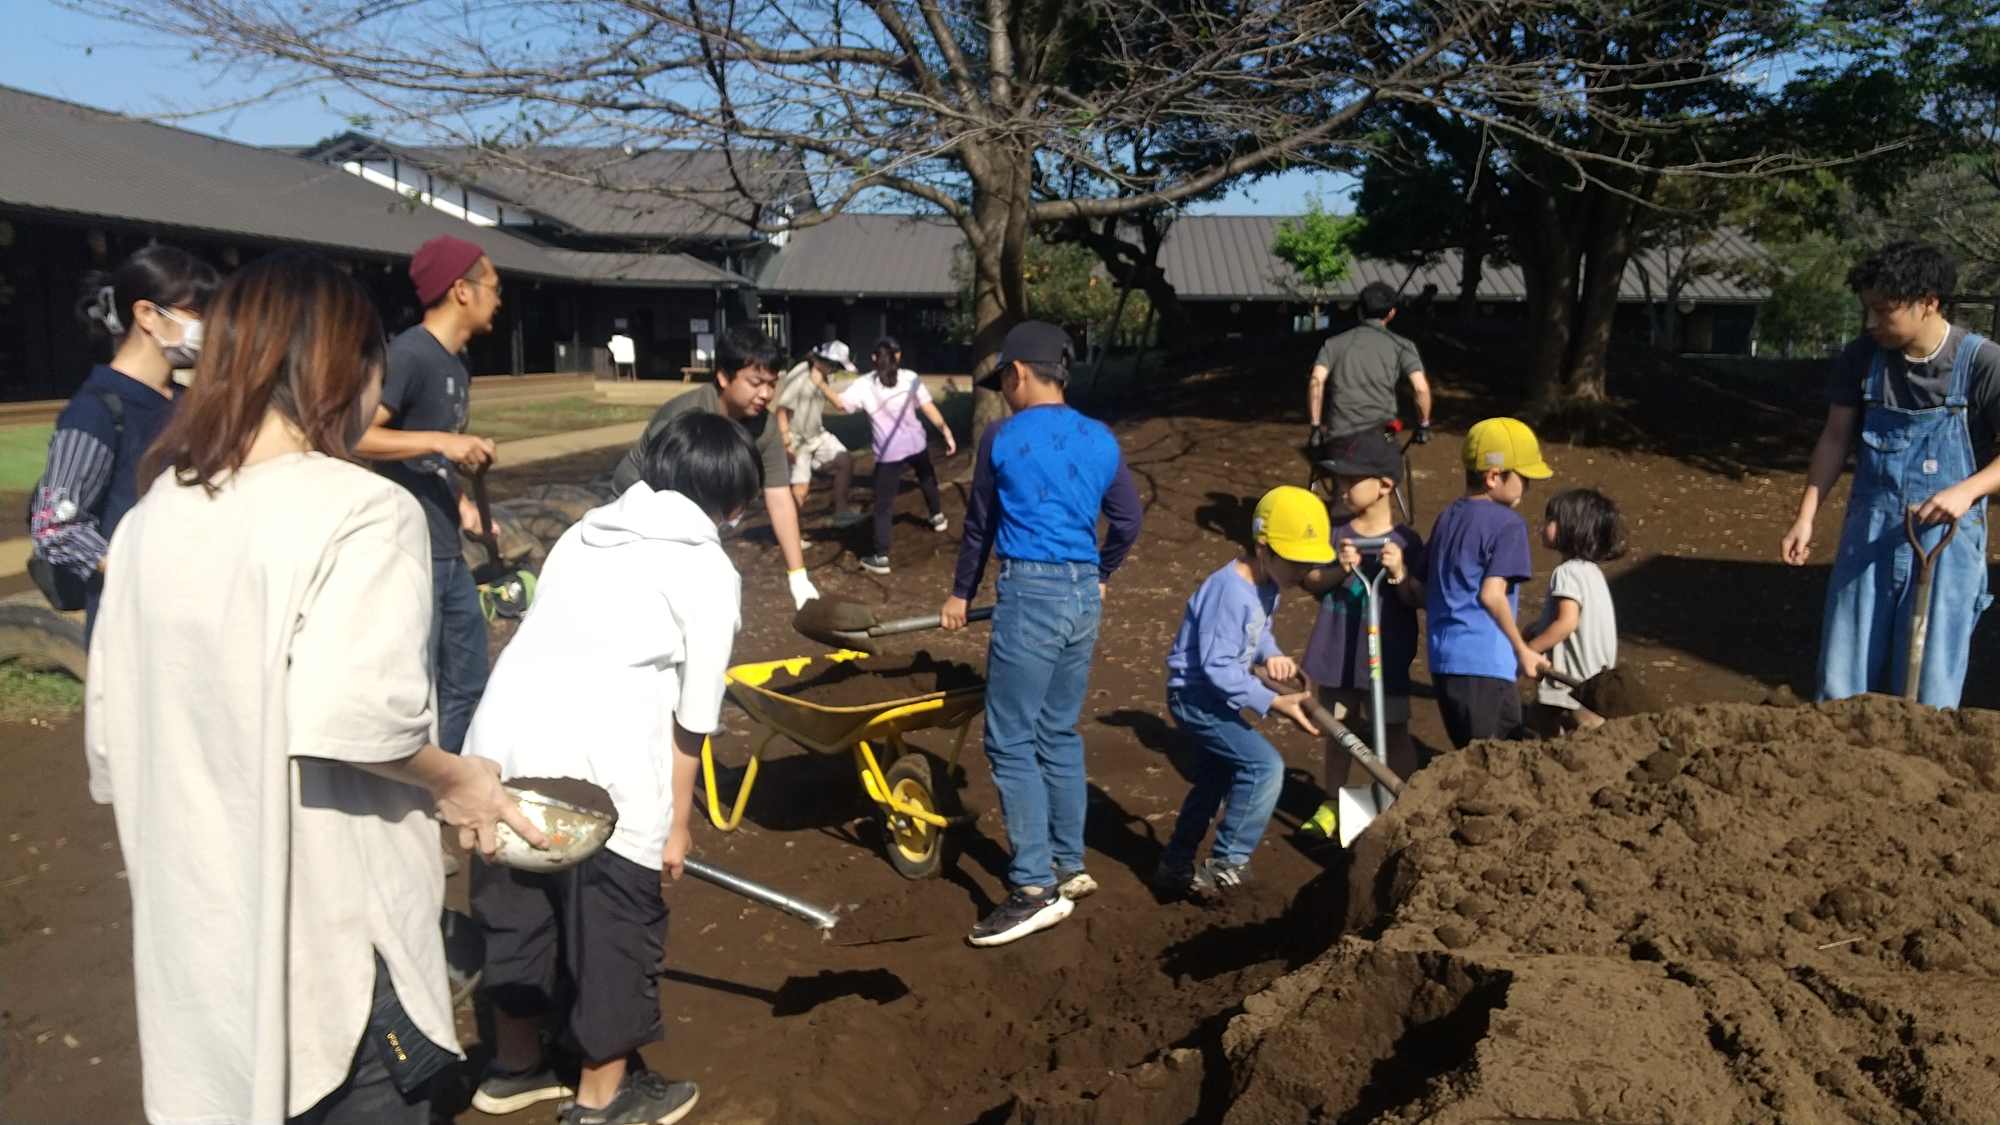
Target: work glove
803 590
1423 436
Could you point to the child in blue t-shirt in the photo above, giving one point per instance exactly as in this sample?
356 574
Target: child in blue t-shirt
1224 637
1336 659
1478 557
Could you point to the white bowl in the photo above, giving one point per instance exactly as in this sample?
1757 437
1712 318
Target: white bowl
574 834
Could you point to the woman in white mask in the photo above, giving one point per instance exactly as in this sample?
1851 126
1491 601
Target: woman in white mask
147 312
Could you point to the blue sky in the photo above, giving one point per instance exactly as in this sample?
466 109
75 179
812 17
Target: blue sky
52 50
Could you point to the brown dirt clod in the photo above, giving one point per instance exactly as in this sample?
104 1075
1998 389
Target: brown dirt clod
860 683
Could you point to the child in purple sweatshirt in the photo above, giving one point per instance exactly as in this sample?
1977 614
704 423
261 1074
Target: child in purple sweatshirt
1224 638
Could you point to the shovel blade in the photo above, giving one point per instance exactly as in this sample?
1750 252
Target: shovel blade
1359 805
837 624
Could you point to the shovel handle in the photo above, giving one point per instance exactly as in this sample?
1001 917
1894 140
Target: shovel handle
758 892
1335 729
919 624
486 535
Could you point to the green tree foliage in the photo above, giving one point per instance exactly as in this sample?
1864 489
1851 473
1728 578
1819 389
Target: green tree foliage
1067 285
1319 248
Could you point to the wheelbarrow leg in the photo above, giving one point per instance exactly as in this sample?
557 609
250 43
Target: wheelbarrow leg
716 817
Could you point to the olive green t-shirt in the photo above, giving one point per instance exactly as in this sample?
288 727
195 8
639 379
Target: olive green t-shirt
1364 364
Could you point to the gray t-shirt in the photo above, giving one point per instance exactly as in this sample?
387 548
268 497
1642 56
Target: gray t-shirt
1364 364
1593 646
427 388
1910 385
798 394
770 443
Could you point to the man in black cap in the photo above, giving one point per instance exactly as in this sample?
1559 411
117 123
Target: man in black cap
1042 477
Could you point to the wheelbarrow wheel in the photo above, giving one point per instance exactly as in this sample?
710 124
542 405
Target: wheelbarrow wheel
916 849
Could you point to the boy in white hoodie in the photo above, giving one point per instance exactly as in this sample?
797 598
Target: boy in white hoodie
614 678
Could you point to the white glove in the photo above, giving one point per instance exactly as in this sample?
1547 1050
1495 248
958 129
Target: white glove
803 589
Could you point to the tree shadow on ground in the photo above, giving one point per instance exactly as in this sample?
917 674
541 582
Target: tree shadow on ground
1761 619
1228 515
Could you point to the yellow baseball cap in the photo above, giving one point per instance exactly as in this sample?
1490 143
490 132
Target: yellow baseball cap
1294 523
1505 443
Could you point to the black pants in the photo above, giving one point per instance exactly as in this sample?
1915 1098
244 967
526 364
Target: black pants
1477 707
583 944
369 1096
888 478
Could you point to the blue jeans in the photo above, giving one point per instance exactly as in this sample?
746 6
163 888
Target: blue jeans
1232 761
458 648
1037 668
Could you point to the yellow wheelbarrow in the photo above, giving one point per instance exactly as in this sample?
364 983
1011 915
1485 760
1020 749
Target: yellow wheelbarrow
917 807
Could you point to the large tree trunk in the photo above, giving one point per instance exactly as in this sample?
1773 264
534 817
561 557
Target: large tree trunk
1546 248
1606 250
997 234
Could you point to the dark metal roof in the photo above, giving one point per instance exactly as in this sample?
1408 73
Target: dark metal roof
1206 257
602 192
672 271
854 255
60 157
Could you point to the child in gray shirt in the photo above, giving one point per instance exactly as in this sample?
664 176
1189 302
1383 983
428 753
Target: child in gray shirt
1578 629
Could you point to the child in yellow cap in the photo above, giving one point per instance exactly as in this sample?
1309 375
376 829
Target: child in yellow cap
1477 559
1224 638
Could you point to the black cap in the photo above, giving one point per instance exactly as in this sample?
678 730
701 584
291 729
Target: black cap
1031 341
1366 455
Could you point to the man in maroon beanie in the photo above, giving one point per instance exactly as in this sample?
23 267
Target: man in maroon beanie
417 440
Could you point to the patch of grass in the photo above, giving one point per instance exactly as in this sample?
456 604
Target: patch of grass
27 694
23 452
507 421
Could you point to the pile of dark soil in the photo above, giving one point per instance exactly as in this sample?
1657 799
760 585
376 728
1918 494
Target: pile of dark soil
570 790
1730 913
860 683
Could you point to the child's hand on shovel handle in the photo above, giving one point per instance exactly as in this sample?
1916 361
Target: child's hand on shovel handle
1293 707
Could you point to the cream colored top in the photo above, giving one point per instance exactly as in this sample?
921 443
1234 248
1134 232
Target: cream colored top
249 645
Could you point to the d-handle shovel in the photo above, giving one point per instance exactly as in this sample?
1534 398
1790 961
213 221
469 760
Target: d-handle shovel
1920 609
1358 806
852 625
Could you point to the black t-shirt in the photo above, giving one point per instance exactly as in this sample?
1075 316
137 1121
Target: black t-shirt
770 440
427 388
1908 384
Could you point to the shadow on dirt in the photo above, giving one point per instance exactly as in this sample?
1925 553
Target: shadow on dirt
1759 618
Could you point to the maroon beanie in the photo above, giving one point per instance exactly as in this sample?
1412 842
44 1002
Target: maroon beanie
440 262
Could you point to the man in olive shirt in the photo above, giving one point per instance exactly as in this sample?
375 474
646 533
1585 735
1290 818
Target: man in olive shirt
1355 377
746 376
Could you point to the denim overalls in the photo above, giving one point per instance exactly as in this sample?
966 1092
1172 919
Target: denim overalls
1905 457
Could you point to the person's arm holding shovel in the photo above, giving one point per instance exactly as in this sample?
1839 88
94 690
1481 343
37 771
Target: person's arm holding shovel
1493 598
975 543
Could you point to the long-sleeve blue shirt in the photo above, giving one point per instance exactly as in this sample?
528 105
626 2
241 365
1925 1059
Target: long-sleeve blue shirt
1225 631
1038 484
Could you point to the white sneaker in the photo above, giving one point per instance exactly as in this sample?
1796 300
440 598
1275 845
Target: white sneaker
1018 917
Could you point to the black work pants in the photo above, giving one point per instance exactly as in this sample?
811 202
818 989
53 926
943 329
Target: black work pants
888 478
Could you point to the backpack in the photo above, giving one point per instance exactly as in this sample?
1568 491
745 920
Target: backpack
60 585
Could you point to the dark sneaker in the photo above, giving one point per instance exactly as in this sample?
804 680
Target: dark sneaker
939 523
509 1093
1075 884
1214 877
646 1098
875 564
1171 881
1022 914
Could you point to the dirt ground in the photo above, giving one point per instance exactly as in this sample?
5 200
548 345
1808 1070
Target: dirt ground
1119 1014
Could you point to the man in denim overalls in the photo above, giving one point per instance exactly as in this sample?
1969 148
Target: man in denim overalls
1923 398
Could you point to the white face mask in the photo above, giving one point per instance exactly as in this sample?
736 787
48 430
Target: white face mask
179 356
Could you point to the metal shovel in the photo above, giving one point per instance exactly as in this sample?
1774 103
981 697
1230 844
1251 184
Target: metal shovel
1920 608
502 592
758 892
851 625
1359 805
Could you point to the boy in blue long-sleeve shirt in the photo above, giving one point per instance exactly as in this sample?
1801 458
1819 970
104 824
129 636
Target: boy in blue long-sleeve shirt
1041 479
1224 637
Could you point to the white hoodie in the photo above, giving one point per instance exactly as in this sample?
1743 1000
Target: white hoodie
631 628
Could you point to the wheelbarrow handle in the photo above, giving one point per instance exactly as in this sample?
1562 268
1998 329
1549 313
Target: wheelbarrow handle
919 624
758 892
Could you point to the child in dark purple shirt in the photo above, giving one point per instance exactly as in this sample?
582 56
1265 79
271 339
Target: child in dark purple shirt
1336 657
